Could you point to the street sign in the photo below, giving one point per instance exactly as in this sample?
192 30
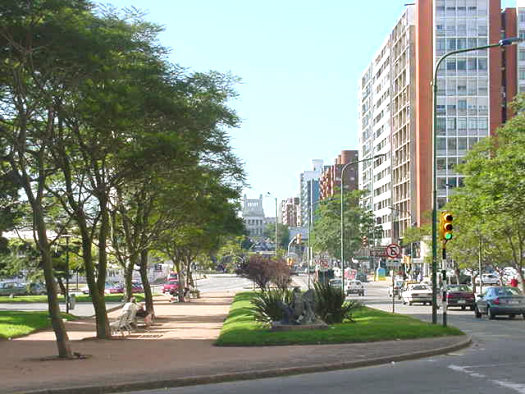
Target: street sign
378 251
393 251
393 263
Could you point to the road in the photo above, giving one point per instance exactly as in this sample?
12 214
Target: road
210 283
493 364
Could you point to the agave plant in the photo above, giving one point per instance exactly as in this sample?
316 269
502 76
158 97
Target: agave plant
267 305
330 304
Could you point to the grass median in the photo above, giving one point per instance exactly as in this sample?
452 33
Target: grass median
17 323
79 298
370 325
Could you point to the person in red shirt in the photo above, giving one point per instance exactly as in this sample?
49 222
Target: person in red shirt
514 282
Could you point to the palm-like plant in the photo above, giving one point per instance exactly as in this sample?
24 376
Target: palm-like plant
330 304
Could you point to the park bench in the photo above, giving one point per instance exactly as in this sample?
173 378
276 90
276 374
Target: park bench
122 324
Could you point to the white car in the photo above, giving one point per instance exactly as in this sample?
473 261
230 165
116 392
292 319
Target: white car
417 293
355 286
489 279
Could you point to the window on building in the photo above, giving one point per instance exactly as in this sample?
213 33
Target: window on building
483 124
462 43
471 142
482 64
451 124
521 54
440 164
462 124
462 65
522 34
521 73
441 145
462 144
452 146
471 64
451 44
473 124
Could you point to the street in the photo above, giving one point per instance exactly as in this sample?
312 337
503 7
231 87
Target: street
492 364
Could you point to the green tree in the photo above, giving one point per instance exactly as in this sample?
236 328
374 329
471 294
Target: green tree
326 234
283 234
489 209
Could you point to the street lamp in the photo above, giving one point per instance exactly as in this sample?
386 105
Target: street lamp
342 233
501 43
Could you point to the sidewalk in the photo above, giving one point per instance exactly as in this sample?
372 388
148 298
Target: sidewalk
178 350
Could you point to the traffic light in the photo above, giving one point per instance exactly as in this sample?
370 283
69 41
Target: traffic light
445 226
364 241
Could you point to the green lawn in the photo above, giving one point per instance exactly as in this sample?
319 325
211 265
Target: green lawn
80 298
15 323
240 328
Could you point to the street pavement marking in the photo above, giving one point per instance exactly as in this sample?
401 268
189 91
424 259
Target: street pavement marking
518 387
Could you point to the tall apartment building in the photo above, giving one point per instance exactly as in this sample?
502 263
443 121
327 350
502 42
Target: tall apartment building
310 192
330 180
290 212
474 90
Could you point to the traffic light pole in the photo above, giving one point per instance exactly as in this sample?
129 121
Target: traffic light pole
501 43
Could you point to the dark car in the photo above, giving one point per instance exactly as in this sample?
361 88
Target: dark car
500 300
460 296
361 276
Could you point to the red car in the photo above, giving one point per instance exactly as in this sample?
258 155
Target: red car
170 286
460 296
119 288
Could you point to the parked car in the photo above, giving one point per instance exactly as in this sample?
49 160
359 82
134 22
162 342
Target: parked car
489 279
36 288
12 288
417 293
396 290
170 286
337 283
460 296
355 286
173 276
500 300
113 288
137 287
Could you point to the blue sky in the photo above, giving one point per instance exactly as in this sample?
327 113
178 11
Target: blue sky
299 62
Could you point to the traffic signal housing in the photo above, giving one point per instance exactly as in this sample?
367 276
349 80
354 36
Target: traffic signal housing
364 241
445 226
298 239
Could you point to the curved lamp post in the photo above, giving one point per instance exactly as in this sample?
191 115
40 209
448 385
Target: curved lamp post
342 232
502 43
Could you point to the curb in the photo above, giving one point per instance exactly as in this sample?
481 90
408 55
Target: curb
250 375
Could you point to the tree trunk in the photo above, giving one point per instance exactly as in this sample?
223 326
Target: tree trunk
62 339
128 278
97 296
61 285
145 282
103 330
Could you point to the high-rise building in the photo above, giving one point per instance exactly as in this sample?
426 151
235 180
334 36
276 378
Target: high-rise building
473 92
290 211
330 180
310 192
